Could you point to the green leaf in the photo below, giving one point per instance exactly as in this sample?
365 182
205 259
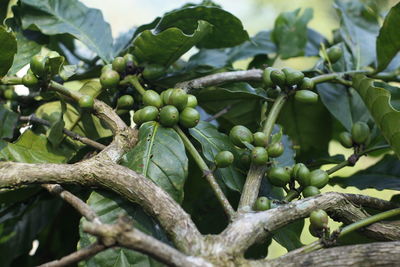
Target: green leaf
290 33
377 100
32 148
167 46
71 17
227 30
8 120
212 141
289 154
289 235
160 156
108 207
56 134
383 175
8 48
388 41
343 103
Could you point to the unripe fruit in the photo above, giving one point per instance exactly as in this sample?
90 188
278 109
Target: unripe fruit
189 118
125 102
267 77
278 176
179 99
293 76
223 159
307 84
310 191
319 219
259 156
129 58
278 77
30 81
260 139
38 65
153 71
192 101
119 64
314 231
152 98
275 150
10 94
109 79
360 132
302 174
169 116
334 54
240 134
86 101
245 159
106 68
346 140
165 96
262 203
318 178
137 118
306 96
149 113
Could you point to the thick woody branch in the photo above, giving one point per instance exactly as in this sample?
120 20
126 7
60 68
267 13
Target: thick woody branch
373 254
123 181
220 78
77 256
124 235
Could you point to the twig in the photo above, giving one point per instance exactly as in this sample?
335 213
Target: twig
219 113
33 119
76 256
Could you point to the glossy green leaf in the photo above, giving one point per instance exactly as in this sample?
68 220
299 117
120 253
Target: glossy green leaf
383 175
377 100
8 119
109 207
55 17
167 46
212 141
8 48
227 30
290 33
289 236
56 134
388 41
289 154
160 156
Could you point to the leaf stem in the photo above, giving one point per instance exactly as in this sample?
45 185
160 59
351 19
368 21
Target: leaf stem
207 173
133 79
11 80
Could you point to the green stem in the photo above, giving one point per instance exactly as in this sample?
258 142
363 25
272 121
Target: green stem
273 114
135 82
293 194
11 80
207 172
75 95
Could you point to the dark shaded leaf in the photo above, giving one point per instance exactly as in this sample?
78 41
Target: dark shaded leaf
8 48
8 121
289 236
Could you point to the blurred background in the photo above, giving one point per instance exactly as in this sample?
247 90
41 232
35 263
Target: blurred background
256 15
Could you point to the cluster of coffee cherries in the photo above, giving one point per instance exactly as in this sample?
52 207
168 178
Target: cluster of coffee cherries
288 80
171 107
319 223
360 135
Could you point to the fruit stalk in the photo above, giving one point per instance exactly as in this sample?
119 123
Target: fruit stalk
135 82
207 173
11 80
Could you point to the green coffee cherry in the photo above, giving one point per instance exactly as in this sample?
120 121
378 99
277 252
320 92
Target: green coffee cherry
245 159
137 118
223 159
275 150
178 99
240 134
30 81
53 54
307 84
278 77
259 155
125 102
278 176
260 139
119 64
165 96
191 101
346 140
153 71
262 203
334 54
310 191
306 96
314 231
189 117
267 77
86 101
109 79
301 174
169 116
152 98
129 58
318 178
148 113
10 94
38 65
106 68
319 219
293 77
360 132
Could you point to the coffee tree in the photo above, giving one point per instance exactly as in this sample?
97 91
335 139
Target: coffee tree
151 159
